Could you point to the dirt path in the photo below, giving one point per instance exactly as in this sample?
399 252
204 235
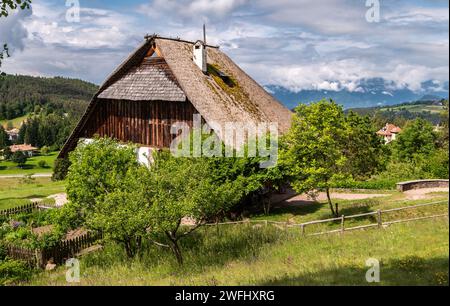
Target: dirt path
425 193
60 199
322 197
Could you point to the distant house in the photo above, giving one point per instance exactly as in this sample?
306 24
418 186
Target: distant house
169 80
24 148
389 132
13 135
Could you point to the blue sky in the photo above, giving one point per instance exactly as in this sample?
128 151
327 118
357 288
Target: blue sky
298 44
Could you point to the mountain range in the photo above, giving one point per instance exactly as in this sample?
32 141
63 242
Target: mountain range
370 93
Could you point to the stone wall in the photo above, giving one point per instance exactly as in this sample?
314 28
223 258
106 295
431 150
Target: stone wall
420 184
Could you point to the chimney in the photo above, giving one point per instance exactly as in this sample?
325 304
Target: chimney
200 56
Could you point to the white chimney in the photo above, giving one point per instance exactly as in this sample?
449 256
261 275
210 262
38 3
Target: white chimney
200 56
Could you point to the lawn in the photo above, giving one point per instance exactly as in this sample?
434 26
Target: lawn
415 253
15 192
31 167
17 122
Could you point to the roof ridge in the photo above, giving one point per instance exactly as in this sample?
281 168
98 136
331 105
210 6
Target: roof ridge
153 36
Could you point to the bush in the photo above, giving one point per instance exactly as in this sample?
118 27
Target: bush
45 150
19 158
42 164
13 272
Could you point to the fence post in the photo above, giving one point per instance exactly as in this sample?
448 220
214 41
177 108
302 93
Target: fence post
303 229
342 223
379 220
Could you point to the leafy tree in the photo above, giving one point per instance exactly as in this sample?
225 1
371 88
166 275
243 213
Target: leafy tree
4 138
110 192
19 158
314 147
60 169
417 138
364 150
187 187
7 154
443 137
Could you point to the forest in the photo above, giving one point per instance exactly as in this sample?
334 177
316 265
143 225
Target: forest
22 95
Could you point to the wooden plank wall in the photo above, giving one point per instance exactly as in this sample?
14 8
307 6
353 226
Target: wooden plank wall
141 122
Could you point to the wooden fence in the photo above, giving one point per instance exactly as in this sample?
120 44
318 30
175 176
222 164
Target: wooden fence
27 208
378 214
58 254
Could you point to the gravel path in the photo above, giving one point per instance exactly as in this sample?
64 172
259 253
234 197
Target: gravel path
23 175
424 193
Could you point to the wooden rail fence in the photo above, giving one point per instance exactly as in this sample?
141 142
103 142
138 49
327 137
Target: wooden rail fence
342 219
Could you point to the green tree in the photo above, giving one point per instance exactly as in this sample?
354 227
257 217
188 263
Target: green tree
314 148
187 187
110 192
417 138
364 150
19 158
4 138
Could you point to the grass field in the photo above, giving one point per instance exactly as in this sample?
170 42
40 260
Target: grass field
415 253
15 192
10 168
17 122
409 254
417 108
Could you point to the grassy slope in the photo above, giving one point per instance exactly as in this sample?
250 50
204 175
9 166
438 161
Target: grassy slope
410 254
14 192
10 168
417 108
17 122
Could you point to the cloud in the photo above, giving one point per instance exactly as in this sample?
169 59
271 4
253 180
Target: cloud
297 44
13 31
193 10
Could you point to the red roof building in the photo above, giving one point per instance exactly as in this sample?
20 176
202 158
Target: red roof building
389 132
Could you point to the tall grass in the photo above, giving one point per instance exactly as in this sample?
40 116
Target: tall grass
410 254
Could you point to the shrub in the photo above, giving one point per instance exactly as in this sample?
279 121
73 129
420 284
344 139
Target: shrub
45 150
42 164
13 272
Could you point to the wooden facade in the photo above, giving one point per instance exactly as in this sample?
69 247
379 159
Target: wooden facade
146 123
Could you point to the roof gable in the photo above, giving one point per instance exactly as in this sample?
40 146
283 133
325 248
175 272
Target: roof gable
152 80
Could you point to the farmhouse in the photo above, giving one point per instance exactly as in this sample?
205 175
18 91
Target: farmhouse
168 80
389 132
24 148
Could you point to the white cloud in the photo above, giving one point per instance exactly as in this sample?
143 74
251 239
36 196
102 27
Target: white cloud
297 44
12 30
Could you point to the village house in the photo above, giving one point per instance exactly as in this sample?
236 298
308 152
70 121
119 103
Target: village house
13 135
24 148
389 132
168 80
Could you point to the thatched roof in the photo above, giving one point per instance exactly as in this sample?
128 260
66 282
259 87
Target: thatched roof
225 94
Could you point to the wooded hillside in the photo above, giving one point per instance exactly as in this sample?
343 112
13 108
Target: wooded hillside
21 95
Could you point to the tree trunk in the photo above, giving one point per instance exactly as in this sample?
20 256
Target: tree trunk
175 247
330 203
177 251
129 249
